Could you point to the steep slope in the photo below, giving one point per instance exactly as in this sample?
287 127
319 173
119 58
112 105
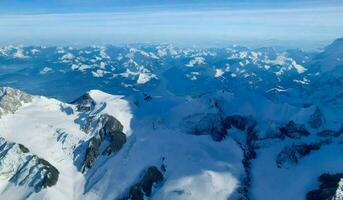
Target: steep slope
188 123
218 145
331 57
326 87
82 144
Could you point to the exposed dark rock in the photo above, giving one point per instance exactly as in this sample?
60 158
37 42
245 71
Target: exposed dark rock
136 103
144 187
329 189
92 152
206 124
23 148
236 121
163 167
66 109
109 125
147 97
292 154
215 124
26 168
272 134
292 130
330 133
112 131
218 126
12 99
249 154
288 154
108 134
84 103
316 119
326 133
51 175
117 140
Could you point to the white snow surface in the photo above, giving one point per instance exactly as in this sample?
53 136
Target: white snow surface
34 125
196 166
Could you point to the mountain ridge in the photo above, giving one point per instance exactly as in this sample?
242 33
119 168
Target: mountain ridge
248 139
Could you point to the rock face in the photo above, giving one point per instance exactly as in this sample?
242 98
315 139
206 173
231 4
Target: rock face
330 133
293 130
214 124
236 121
292 154
206 124
112 131
143 188
329 59
249 155
11 99
106 132
84 103
21 167
316 119
331 188
92 152
108 138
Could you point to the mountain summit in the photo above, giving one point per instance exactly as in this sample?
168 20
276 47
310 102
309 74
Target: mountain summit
213 146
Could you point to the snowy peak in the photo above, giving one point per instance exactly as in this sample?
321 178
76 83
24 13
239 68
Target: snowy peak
187 123
23 169
335 46
11 99
55 143
114 105
105 146
332 56
96 102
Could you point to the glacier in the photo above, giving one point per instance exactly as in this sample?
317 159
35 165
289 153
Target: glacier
165 122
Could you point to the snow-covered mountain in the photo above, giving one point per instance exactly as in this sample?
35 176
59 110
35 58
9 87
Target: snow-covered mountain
68 72
161 122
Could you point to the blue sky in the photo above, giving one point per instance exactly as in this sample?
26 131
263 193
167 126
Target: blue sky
307 23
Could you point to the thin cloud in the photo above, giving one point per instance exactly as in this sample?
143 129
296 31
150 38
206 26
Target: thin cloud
154 25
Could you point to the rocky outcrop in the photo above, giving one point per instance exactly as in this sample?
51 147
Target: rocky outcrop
147 97
218 127
249 154
84 103
326 133
12 99
144 187
331 188
236 121
330 133
105 132
293 130
292 154
92 152
108 137
316 119
19 166
206 124
215 124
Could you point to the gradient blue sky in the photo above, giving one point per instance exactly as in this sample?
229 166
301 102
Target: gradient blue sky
293 23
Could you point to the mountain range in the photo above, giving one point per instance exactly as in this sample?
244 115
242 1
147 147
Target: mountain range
163 122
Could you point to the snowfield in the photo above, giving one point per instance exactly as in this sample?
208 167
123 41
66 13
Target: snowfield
161 122
196 167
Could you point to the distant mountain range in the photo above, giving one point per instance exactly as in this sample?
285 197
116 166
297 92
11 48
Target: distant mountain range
162 122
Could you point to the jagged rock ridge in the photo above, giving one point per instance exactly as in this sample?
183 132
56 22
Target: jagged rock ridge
22 168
